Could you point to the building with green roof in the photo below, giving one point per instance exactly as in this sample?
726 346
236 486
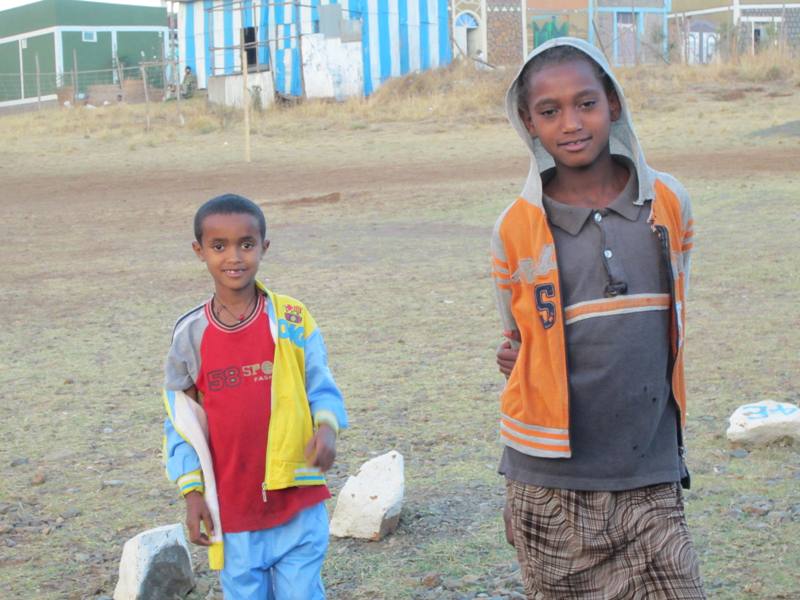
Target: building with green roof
95 35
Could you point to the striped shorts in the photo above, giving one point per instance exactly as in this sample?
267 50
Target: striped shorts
632 544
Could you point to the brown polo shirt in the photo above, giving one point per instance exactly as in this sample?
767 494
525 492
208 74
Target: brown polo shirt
623 422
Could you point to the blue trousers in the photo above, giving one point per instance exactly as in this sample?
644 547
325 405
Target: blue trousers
280 563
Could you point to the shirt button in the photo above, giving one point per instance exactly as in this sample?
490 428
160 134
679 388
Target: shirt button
608 253
598 217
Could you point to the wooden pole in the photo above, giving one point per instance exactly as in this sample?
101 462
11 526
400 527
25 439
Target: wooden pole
782 36
146 97
600 40
245 93
296 20
177 77
635 18
121 78
38 84
523 5
74 76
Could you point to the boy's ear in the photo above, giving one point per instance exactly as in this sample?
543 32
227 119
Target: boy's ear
198 250
525 115
265 245
614 105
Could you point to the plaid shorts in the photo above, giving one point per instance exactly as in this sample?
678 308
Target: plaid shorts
632 544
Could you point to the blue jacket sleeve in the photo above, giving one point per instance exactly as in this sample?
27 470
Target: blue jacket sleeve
180 459
323 394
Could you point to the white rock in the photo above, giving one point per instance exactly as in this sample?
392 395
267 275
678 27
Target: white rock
764 422
369 504
155 564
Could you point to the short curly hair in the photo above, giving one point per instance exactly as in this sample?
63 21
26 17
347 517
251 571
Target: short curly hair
228 204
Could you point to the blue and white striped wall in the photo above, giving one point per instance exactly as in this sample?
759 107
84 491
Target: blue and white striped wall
397 36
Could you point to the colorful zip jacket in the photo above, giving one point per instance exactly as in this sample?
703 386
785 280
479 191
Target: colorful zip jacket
304 395
535 401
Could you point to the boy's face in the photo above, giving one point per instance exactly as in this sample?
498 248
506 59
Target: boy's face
570 112
232 249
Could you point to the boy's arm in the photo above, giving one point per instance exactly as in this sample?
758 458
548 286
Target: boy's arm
180 459
183 467
324 396
687 224
326 403
501 276
688 240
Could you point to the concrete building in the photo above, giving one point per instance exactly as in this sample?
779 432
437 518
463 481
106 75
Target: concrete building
710 28
503 31
315 48
60 33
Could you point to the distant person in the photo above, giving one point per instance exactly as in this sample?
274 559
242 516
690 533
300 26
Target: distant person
189 84
591 268
255 361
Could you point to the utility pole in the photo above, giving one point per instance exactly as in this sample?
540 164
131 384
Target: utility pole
636 33
523 7
245 89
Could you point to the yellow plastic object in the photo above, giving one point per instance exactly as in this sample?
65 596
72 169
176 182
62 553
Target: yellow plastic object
216 557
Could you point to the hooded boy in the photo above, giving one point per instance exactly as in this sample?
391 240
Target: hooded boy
591 266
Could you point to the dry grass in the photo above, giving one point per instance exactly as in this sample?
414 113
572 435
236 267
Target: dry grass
649 86
107 267
456 93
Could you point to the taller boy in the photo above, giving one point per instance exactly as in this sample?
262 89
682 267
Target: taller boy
590 266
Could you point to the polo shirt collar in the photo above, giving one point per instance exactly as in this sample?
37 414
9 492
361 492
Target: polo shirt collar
565 216
625 204
572 218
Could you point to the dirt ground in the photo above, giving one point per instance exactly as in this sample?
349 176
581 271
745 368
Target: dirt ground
383 232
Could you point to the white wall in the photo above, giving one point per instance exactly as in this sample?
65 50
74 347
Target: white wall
332 68
227 89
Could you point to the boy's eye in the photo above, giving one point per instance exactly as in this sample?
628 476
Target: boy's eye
589 104
248 245
550 112
218 247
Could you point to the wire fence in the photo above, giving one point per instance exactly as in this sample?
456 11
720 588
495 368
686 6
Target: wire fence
628 36
147 82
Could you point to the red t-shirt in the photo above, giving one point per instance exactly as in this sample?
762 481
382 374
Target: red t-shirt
235 380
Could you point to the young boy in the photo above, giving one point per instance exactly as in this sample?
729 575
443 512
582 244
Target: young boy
591 266
257 364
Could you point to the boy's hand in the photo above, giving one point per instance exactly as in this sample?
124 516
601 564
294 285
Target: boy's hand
508 351
321 449
197 511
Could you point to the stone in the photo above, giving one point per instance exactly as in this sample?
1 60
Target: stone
764 422
370 502
39 477
19 461
111 483
758 506
451 583
71 513
155 564
779 516
431 580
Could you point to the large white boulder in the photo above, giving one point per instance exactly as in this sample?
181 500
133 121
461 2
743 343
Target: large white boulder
369 504
155 565
764 422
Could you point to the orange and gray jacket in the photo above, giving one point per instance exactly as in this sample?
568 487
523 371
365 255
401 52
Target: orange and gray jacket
535 402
